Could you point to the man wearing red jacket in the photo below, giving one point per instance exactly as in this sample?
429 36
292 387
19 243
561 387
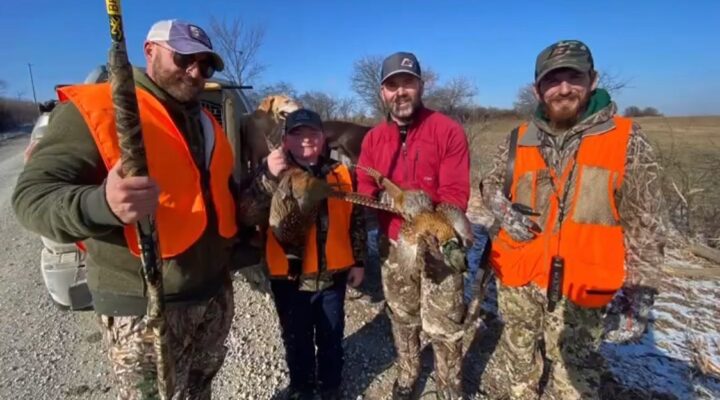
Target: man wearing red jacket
418 148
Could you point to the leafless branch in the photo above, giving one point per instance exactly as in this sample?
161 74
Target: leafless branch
238 43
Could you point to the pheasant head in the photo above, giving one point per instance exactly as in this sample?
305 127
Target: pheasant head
306 189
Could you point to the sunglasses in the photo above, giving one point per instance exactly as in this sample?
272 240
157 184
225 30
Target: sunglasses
205 66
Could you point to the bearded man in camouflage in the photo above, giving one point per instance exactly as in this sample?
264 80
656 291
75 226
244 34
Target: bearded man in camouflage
577 196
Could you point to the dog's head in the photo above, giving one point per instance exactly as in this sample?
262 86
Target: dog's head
278 106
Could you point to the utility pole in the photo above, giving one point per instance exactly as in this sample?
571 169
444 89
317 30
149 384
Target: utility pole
32 83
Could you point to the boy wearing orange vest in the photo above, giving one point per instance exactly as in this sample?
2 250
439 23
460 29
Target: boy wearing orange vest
577 197
72 189
309 284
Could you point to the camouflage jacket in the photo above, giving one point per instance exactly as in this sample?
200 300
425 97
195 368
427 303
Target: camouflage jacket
254 209
639 200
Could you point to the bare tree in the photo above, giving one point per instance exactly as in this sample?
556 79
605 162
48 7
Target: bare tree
346 109
525 103
365 81
430 79
329 107
14 113
3 87
320 102
635 111
238 44
453 97
257 94
613 82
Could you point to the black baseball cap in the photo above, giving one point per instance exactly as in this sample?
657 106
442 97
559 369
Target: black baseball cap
400 63
303 117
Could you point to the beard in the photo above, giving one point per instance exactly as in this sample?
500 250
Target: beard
404 108
564 111
178 84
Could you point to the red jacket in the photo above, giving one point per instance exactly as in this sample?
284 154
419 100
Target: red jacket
435 159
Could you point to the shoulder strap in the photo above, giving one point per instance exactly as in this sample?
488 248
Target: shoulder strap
512 149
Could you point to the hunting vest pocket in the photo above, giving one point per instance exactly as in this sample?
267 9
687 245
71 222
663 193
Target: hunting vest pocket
595 201
524 189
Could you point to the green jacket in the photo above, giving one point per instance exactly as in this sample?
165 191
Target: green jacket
61 195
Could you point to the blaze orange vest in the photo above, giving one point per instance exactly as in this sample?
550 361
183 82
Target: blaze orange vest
591 236
338 246
181 216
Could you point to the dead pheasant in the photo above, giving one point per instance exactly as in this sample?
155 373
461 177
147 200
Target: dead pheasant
442 231
294 206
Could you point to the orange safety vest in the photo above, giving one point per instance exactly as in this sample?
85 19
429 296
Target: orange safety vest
338 246
181 216
592 239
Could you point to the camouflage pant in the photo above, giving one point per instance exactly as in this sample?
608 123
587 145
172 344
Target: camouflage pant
431 298
196 337
571 335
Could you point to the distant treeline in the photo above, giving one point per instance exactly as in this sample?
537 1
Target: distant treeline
15 113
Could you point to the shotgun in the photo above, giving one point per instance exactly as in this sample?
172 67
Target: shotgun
134 163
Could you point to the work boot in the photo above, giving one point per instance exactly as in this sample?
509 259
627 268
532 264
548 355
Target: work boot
331 394
294 393
401 392
448 360
448 394
407 344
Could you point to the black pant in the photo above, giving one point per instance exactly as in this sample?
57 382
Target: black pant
310 319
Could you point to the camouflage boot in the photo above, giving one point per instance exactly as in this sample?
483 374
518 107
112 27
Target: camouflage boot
407 344
448 359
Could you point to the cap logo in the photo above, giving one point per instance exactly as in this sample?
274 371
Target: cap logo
559 51
302 115
406 62
199 35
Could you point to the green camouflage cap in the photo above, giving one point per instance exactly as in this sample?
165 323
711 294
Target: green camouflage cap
564 54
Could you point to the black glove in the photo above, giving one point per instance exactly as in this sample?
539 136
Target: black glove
627 317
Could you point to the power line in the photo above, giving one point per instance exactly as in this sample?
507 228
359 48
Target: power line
32 83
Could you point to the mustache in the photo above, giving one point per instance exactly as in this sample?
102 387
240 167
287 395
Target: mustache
571 96
402 99
189 81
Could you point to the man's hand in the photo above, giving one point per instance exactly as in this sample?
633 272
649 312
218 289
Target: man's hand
276 162
520 227
131 198
355 276
29 150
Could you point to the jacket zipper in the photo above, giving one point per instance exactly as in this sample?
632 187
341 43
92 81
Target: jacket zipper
403 147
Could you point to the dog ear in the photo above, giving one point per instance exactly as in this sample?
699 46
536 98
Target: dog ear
266 104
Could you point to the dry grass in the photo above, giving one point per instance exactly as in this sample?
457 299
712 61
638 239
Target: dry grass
702 356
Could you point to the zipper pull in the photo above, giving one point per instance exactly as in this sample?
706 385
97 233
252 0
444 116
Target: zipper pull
403 138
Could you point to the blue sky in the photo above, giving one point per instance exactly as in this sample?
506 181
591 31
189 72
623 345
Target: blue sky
669 50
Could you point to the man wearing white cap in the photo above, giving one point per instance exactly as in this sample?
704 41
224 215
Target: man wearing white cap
73 190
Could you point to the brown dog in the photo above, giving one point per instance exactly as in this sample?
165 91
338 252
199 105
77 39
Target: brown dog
278 106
